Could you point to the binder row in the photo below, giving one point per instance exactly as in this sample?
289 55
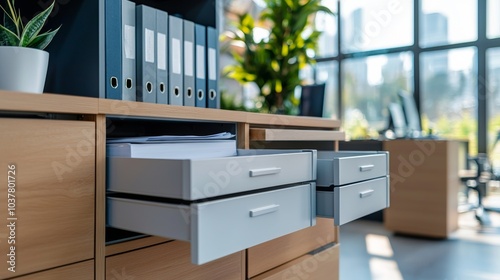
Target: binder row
155 57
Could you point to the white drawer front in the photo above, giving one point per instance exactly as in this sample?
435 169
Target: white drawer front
204 178
353 201
340 168
221 227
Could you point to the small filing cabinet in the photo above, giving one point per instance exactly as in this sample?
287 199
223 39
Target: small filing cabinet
351 184
220 205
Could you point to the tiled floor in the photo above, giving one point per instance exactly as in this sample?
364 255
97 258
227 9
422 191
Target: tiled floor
369 252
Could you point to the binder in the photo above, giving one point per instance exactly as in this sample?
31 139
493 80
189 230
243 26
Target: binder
128 50
145 53
162 57
201 83
213 96
113 45
189 80
175 32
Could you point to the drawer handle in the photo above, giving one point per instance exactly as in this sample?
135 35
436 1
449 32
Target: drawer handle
264 210
265 171
364 168
367 193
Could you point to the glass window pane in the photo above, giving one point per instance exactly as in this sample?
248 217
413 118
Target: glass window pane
327 72
449 94
370 25
327 45
493 17
448 22
493 91
369 85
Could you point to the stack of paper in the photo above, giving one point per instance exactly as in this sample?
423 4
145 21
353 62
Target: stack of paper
173 147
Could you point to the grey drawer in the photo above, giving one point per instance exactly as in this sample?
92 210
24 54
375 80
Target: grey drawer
221 227
193 179
340 168
350 202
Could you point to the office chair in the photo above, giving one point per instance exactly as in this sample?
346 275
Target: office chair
312 100
477 180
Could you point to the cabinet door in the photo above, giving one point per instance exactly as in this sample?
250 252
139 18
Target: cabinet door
78 271
319 265
172 261
47 170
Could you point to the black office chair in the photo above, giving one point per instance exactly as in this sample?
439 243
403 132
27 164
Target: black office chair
312 100
477 180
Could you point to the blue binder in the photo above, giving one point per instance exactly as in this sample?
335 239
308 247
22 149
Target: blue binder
113 46
201 82
176 72
213 96
162 57
128 54
146 52
189 79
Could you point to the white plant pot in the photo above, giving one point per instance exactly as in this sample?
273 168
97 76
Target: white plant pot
23 69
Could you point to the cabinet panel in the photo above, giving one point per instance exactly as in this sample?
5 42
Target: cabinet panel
79 271
320 265
52 178
280 250
172 261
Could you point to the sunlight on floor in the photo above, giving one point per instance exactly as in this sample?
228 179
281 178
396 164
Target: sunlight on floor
383 269
378 245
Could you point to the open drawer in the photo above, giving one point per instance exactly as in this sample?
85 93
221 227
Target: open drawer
194 179
350 202
219 227
346 167
351 184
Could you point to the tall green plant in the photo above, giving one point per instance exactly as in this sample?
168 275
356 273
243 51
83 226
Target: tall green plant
14 33
274 64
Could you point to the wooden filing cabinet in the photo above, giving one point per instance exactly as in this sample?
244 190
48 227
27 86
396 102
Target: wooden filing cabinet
79 271
172 261
52 190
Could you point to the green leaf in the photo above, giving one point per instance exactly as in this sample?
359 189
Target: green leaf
8 21
34 26
7 37
41 41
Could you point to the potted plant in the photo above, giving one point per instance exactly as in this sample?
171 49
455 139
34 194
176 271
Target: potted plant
273 64
23 62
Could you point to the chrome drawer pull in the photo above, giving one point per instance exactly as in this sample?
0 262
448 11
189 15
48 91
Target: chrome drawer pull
264 210
265 171
364 168
367 193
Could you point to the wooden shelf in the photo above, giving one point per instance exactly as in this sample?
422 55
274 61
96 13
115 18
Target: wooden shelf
47 103
268 134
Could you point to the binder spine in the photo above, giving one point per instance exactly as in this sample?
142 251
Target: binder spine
113 46
213 96
201 84
176 72
128 51
145 53
189 79
162 55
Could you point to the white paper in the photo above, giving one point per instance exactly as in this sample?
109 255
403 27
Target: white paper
173 138
129 41
162 51
176 56
188 58
200 62
212 75
149 47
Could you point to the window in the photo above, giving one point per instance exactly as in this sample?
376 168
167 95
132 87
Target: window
448 22
493 19
327 72
369 25
369 85
493 91
327 24
449 93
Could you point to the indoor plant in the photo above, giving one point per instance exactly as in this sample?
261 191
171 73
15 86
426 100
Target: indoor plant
24 63
273 64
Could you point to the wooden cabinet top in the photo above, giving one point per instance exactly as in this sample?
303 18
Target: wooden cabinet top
67 104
